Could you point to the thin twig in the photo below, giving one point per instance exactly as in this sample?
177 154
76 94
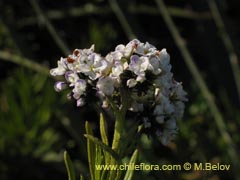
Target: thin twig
17 59
122 19
173 11
227 43
199 80
58 40
91 9
85 10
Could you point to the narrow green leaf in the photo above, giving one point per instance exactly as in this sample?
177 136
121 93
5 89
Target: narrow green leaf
104 175
81 177
103 130
69 166
103 146
98 161
91 150
129 143
130 172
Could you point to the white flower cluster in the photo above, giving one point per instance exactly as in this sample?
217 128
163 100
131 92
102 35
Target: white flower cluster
138 67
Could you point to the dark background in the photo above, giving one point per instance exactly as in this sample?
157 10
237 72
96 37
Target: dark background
38 124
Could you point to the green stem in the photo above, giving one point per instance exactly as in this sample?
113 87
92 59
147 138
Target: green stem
118 131
120 119
120 114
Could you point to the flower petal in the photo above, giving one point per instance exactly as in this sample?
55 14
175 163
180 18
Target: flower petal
59 86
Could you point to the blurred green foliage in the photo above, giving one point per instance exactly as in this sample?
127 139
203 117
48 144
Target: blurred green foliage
27 131
27 105
37 124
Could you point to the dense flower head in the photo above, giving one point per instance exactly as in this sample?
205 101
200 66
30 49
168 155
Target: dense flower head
138 69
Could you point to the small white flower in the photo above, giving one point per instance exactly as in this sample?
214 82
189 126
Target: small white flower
134 43
106 85
164 59
138 65
164 106
145 48
71 77
79 88
179 92
88 51
131 83
101 67
117 69
80 102
75 66
86 65
61 69
110 59
118 53
178 109
59 86
124 50
141 77
164 81
154 65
